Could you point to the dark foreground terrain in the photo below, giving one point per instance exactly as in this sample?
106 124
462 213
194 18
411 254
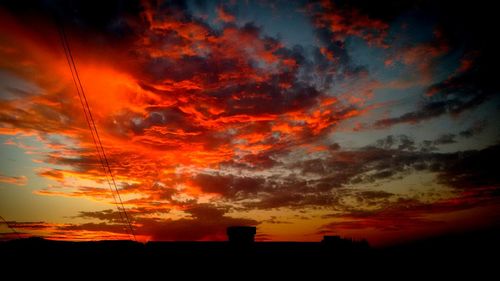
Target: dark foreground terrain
472 255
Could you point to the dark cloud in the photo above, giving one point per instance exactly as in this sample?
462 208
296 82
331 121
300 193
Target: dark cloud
400 142
445 139
391 158
452 96
386 10
468 169
29 225
205 212
206 222
228 185
407 214
108 23
268 98
427 111
334 146
374 194
476 129
105 215
473 170
474 82
331 61
116 228
293 200
191 230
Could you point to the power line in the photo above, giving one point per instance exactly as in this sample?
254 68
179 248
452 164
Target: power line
91 123
11 227
93 129
67 54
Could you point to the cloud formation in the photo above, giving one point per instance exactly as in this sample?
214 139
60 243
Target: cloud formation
208 118
21 180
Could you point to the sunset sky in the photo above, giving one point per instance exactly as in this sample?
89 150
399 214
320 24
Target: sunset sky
366 119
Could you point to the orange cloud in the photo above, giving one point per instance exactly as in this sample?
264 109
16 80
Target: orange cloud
21 180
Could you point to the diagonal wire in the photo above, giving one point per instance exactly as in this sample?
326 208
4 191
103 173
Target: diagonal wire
88 123
95 135
11 227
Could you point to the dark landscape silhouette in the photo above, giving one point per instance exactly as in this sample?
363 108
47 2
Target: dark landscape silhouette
471 253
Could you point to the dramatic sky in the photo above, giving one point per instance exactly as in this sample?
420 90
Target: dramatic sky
368 119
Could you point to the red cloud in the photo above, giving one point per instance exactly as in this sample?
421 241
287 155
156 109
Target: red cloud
344 22
224 16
